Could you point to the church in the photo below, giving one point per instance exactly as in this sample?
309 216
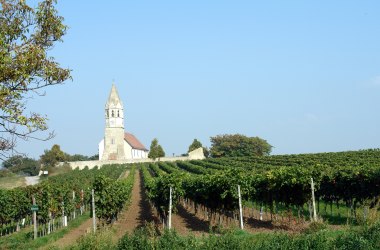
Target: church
118 144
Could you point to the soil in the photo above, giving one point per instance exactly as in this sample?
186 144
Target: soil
138 213
185 223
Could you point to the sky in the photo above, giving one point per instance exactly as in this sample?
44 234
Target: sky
303 75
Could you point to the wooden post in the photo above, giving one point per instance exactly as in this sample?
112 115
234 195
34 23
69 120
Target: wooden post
240 210
170 209
93 211
81 202
63 214
313 200
34 219
74 213
49 223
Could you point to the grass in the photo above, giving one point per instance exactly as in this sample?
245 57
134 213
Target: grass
24 238
331 214
357 238
12 182
58 170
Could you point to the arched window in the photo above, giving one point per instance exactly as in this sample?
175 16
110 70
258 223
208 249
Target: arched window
113 115
107 113
118 115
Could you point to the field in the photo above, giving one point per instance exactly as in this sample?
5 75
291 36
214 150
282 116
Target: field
12 182
132 205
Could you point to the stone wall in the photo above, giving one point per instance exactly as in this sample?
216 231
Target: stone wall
194 155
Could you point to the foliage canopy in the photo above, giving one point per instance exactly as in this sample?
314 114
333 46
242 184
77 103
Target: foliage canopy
21 165
156 151
195 145
51 157
26 35
238 145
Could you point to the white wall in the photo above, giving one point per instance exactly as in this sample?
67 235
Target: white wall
194 155
139 154
127 150
101 149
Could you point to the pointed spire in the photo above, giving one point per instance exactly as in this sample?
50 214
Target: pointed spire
114 99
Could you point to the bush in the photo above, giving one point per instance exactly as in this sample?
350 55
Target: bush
98 241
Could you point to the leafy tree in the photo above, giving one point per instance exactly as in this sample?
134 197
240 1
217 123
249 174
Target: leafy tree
5 173
53 156
195 145
206 152
238 145
94 157
156 151
77 157
21 165
160 152
26 34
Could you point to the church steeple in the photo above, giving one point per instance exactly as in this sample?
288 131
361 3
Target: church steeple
114 99
114 110
114 130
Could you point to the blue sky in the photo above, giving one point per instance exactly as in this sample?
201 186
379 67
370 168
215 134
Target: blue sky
304 75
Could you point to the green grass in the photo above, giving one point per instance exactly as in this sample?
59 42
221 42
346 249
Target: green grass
24 238
334 216
12 182
358 238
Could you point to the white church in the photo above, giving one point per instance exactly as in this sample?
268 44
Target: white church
118 144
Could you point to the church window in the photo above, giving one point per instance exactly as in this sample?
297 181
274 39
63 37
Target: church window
112 141
113 115
118 115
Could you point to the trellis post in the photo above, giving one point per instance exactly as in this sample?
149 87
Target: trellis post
240 210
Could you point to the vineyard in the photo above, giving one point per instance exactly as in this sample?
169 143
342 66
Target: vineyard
280 185
276 194
62 198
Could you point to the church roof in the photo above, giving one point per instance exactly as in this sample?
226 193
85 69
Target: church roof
134 142
114 99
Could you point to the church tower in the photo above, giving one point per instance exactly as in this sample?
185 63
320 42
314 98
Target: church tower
114 131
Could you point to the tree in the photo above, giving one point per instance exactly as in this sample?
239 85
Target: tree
26 34
156 151
206 152
195 145
238 145
21 165
51 157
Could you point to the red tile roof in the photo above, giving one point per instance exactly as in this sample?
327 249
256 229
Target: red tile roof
134 142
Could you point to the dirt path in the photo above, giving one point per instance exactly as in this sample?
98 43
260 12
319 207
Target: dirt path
138 213
32 180
71 237
185 223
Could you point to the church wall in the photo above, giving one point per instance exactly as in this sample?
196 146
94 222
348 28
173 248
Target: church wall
114 144
127 150
139 154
